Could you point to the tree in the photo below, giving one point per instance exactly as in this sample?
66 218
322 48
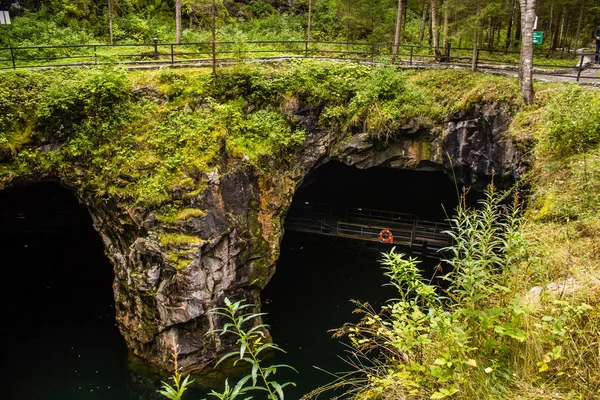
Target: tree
434 30
526 61
178 21
398 30
110 21
475 36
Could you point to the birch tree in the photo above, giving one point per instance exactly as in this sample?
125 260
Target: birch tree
526 61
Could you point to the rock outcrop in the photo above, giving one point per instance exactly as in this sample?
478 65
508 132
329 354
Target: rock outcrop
164 288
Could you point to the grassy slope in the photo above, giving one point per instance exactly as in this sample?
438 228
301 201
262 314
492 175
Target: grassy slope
139 137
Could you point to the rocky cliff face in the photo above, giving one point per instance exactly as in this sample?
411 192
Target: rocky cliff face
164 286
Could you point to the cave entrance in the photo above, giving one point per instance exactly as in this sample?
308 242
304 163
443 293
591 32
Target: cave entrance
330 253
59 332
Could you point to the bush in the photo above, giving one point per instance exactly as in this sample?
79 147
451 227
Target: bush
94 101
37 29
572 122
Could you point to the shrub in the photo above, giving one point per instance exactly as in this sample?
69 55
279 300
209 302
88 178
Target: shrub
572 122
94 101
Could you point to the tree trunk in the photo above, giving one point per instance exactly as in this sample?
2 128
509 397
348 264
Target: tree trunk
517 38
445 31
177 21
110 21
511 15
434 30
405 7
214 40
423 21
348 25
557 28
564 33
398 30
490 33
526 61
550 27
475 34
578 28
498 30
430 32
309 20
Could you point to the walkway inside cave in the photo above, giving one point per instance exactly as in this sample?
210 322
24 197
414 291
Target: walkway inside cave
58 332
317 275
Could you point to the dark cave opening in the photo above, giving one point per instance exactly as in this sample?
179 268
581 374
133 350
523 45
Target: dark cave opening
318 274
59 329
430 195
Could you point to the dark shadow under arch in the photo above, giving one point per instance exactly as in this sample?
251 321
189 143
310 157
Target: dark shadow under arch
59 335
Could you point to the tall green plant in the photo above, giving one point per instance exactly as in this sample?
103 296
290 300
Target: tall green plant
180 383
253 345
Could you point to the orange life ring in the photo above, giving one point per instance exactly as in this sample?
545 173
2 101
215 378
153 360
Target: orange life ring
386 236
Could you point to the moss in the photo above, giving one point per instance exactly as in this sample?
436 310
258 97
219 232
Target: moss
174 215
261 250
181 259
178 239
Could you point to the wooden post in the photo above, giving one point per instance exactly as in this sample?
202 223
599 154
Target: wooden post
580 68
12 56
373 54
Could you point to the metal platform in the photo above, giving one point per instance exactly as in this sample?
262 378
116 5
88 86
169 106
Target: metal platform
425 237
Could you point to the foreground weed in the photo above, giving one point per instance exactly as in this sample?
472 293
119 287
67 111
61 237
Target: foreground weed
179 386
251 339
253 345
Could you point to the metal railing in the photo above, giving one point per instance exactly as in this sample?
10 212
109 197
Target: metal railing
560 64
367 224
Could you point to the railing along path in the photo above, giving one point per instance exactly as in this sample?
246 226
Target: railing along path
407 230
563 64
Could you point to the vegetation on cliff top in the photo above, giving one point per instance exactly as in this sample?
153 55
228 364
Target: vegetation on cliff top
141 137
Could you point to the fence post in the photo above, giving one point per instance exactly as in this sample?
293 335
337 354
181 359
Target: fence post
155 40
448 46
95 55
477 59
306 49
373 54
411 54
580 68
12 57
172 55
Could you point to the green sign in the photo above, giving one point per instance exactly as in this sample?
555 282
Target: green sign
538 37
